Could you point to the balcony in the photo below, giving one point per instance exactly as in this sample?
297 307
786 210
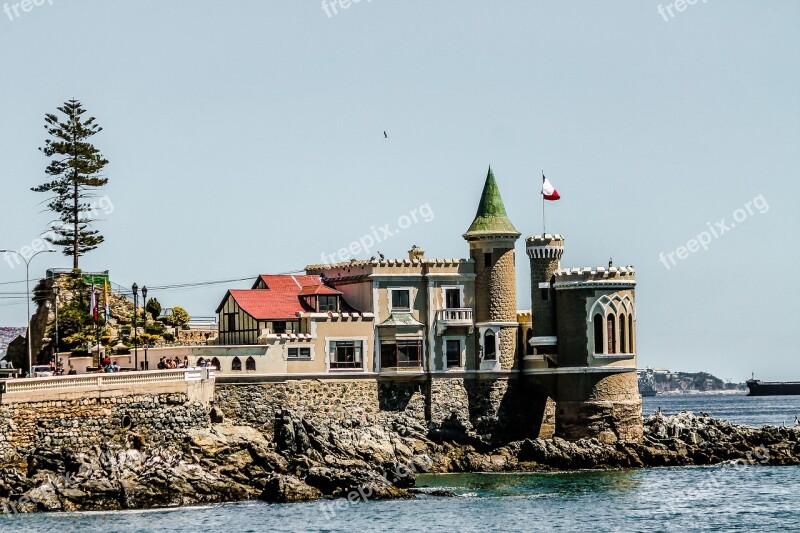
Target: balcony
453 317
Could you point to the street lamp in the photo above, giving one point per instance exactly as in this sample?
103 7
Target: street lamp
146 365
55 298
135 290
28 298
144 319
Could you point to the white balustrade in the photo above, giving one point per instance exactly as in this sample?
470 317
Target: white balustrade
100 380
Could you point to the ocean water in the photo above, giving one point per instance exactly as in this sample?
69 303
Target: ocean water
715 498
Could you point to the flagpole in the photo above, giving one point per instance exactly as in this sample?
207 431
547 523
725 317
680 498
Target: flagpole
544 226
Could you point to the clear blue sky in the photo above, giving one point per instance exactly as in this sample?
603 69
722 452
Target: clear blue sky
247 137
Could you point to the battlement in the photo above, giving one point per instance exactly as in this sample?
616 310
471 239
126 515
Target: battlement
573 278
545 246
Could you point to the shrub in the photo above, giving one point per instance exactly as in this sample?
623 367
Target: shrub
153 307
179 317
169 337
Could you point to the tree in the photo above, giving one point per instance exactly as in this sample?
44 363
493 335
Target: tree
74 169
179 317
153 307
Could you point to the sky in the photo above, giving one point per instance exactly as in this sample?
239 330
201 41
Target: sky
246 137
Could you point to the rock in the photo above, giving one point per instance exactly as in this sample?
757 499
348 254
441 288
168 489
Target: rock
287 489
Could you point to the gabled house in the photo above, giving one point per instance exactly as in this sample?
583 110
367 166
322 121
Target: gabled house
305 323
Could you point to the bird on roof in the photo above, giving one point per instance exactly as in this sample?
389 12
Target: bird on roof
610 262
372 258
381 256
385 135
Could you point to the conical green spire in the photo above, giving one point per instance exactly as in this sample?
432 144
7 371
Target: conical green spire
491 218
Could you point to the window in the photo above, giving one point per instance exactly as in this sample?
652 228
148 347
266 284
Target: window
598 334
346 354
528 347
230 319
487 259
250 364
236 364
279 327
452 298
612 334
623 345
215 363
327 303
401 299
453 352
630 334
489 348
299 352
401 354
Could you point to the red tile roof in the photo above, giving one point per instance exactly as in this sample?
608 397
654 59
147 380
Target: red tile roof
281 299
314 290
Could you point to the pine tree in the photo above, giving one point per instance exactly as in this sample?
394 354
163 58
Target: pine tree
75 172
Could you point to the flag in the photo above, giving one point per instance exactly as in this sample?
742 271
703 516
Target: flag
107 310
93 304
548 191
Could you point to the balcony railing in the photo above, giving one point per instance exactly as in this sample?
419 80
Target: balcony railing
455 315
346 365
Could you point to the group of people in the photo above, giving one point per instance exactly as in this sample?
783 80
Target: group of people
165 363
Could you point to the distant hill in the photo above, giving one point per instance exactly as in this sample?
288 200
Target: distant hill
666 381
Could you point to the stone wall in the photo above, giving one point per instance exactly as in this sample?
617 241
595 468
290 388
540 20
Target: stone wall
491 409
502 287
158 419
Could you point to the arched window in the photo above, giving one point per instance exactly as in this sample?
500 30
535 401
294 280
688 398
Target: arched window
201 362
623 344
489 348
215 362
630 334
612 334
236 364
598 333
250 364
528 347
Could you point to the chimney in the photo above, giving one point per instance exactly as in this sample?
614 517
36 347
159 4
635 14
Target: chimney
416 253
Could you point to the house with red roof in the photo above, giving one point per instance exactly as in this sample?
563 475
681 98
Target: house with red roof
306 325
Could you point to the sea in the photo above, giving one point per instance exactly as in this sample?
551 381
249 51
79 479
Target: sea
750 497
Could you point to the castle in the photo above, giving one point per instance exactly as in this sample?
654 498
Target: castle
566 367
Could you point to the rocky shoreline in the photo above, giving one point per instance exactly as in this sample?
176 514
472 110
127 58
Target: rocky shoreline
302 461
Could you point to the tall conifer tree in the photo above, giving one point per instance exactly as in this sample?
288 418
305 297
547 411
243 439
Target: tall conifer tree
74 172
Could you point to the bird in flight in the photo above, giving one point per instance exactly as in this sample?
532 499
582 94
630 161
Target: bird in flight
385 135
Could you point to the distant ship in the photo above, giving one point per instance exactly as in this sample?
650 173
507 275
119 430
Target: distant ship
773 388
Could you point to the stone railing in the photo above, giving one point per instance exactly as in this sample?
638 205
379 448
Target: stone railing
117 383
455 315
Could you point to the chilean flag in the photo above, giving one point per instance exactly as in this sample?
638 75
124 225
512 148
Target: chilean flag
548 191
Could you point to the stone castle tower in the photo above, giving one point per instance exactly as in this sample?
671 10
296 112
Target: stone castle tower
491 238
545 253
584 334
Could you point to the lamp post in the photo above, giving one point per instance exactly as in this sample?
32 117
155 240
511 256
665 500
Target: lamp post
146 365
55 298
144 318
28 298
135 290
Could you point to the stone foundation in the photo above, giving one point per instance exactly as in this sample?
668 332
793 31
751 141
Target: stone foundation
604 406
